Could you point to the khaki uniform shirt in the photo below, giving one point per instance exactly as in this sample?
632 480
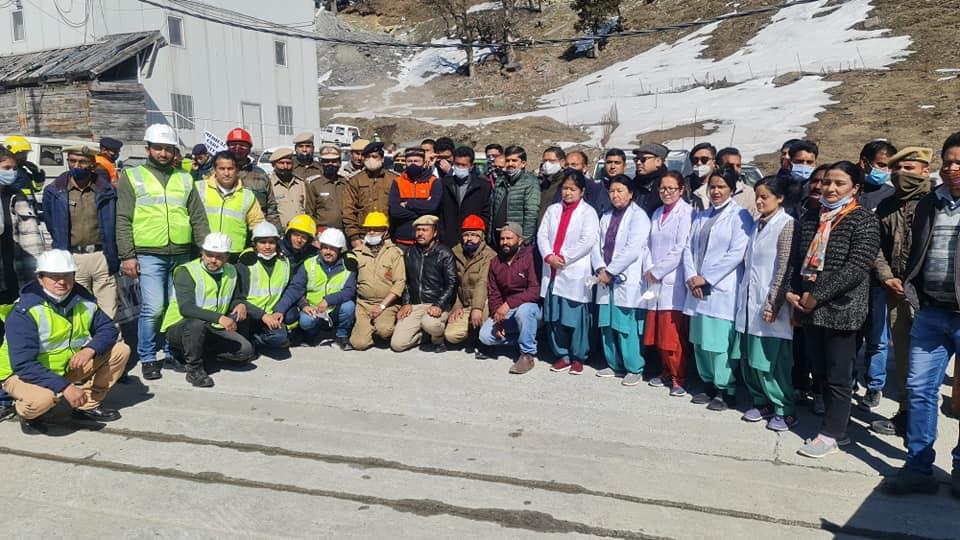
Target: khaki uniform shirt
82 204
323 199
365 193
381 274
291 198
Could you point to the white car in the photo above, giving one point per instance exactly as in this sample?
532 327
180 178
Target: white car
339 134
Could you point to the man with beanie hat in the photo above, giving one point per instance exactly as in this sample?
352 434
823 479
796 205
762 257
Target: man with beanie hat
107 158
202 164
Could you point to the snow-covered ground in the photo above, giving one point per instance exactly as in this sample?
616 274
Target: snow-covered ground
671 85
486 6
428 64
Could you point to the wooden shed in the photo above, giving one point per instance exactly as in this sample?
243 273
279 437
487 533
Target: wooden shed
86 92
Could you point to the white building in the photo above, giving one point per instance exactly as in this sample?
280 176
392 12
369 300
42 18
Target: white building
212 74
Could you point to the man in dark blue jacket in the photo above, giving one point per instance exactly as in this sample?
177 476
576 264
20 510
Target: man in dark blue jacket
59 344
80 209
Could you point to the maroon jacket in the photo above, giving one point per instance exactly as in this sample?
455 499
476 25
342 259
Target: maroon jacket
515 283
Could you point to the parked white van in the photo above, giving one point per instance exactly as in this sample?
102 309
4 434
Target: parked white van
339 133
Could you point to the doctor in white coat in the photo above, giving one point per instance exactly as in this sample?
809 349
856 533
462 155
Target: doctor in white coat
567 234
619 260
713 265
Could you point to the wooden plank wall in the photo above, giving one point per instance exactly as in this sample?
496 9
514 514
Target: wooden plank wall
118 110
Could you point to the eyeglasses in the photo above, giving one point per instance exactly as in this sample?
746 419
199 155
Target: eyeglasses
669 189
701 160
643 159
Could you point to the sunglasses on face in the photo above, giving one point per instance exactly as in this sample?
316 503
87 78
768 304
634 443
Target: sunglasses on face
701 160
643 159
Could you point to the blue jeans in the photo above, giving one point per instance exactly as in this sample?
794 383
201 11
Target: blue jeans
935 337
520 326
156 291
341 316
877 341
263 337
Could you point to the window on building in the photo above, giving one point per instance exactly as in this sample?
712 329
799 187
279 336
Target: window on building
285 119
175 29
182 111
18 32
280 52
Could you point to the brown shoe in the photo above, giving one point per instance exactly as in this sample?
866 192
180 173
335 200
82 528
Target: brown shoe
522 365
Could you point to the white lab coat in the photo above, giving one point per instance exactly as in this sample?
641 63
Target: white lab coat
630 258
667 242
722 264
582 235
759 269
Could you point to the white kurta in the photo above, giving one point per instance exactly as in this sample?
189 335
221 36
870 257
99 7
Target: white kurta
722 262
759 269
668 239
582 235
630 256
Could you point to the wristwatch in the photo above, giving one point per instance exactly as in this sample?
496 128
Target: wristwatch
382 307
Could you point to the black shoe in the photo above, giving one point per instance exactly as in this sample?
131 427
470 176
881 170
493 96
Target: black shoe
344 344
871 399
717 404
7 411
151 370
124 379
99 414
480 355
908 481
440 348
34 427
199 378
894 426
701 399
172 363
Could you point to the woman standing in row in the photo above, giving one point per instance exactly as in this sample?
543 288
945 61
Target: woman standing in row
763 316
713 265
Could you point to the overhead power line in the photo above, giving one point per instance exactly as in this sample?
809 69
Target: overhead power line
232 18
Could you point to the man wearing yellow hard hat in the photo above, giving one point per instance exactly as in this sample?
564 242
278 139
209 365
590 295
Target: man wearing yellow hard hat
298 240
381 277
26 233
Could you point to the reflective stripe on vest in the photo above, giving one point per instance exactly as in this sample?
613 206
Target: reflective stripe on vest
265 290
206 293
319 285
160 217
414 190
59 337
227 215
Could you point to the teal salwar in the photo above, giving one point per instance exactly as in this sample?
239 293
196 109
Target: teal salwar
568 326
767 369
621 329
713 341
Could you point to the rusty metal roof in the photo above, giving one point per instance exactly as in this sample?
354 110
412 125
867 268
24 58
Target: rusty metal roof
82 62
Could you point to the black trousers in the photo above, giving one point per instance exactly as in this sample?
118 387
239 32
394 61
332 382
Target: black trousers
192 339
832 354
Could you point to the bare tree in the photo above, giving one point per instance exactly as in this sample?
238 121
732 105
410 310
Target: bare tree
459 24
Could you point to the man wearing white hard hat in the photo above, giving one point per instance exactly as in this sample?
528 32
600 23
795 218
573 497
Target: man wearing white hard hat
59 344
331 289
207 306
274 287
160 218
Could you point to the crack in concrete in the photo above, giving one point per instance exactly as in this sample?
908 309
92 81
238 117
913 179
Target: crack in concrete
513 519
544 485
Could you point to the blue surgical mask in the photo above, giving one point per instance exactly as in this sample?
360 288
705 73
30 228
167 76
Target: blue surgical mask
801 172
878 177
833 206
7 178
79 173
461 172
471 247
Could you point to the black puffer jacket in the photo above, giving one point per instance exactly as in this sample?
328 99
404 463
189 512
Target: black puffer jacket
842 289
431 276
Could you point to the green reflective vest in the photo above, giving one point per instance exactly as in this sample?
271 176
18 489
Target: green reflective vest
206 293
319 285
266 289
227 215
60 337
160 217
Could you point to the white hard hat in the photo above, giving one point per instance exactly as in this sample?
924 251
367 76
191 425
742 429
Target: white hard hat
56 261
265 229
217 242
333 238
161 134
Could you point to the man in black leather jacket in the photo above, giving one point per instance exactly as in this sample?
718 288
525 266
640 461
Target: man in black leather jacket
431 289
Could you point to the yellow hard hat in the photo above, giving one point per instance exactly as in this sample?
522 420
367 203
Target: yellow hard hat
17 143
304 224
376 220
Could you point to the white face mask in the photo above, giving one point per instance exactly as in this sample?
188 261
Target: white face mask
373 240
267 257
57 298
461 172
550 168
372 164
703 170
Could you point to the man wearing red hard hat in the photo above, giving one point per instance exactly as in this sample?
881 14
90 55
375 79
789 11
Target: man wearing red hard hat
239 143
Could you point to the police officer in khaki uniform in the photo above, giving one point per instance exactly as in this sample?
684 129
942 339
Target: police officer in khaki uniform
289 190
305 165
325 192
381 277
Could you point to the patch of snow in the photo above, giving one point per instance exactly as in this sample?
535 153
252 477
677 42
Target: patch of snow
925 107
325 77
948 70
486 6
947 78
428 64
350 88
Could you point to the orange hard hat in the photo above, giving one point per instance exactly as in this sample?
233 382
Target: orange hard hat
473 222
239 135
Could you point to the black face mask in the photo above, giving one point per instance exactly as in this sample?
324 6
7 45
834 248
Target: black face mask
284 175
330 171
416 172
304 158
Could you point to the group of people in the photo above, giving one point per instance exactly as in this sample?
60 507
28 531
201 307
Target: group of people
773 287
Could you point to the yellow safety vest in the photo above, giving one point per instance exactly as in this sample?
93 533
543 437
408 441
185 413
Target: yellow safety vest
228 215
60 337
319 285
266 289
160 217
207 294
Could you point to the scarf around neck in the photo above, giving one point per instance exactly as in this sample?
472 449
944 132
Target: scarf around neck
565 216
816 254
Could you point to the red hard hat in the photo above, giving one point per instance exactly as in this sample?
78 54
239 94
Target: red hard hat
239 135
473 222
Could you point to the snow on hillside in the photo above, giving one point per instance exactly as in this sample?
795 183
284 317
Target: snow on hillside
671 85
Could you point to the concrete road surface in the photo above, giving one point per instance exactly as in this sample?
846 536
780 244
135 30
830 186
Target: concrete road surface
416 445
